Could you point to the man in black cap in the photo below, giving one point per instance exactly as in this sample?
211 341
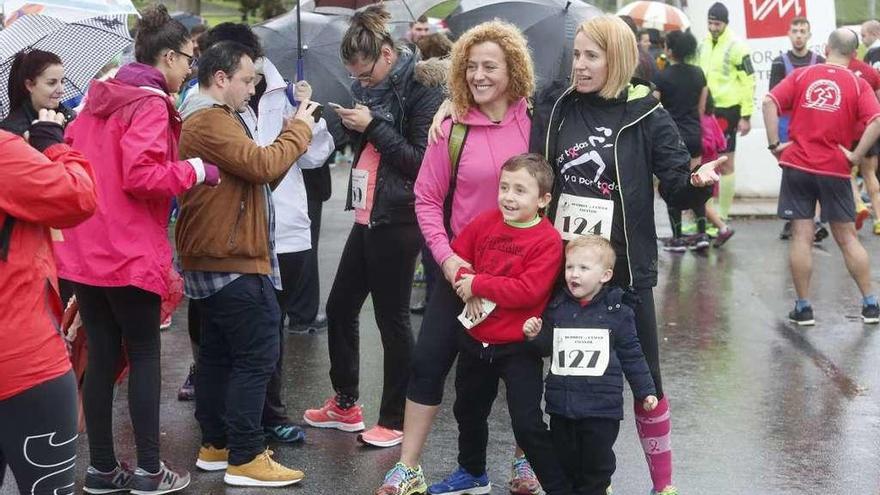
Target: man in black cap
731 79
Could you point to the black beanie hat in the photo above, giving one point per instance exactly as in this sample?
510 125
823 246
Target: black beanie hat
718 12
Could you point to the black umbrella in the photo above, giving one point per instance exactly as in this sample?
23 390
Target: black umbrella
549 25
188 19
321 36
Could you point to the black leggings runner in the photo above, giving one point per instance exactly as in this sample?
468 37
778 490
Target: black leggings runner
113 316
38 437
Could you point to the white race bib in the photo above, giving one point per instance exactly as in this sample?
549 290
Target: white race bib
577 216
580 351
359 180
469 323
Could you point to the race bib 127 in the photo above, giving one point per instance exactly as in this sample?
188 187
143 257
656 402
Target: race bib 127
580 351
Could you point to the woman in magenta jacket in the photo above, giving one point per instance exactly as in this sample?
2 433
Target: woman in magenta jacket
119 260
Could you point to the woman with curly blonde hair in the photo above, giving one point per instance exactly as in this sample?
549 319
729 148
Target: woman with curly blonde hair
490 78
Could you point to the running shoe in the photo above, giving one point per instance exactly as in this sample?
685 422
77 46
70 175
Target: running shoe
669 490
871 313
166 480
523 480
314 326
821 233
698 242
332 416
212 459
403 480
676 245
284 433
862 215
112 482
723 237
786 231
462 482
877 227
802 317
187 391
166 323
262 471
379 436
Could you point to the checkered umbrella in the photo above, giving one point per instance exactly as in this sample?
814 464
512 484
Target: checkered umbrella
657 15
84 47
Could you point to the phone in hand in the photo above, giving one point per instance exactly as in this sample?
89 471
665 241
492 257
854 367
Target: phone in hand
334 105
317 113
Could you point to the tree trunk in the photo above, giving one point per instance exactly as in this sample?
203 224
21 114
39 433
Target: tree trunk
192 6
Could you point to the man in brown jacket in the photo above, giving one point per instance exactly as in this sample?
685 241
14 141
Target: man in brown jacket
225 240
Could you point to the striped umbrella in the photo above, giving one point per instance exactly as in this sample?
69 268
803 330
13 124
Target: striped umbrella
66 10
84 47
657 15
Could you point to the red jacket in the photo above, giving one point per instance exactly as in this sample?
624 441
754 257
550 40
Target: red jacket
40 191
515 268
128 130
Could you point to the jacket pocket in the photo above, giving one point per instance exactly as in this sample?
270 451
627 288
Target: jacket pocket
242 209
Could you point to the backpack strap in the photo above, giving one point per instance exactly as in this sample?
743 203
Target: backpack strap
813 58
457 137
789 67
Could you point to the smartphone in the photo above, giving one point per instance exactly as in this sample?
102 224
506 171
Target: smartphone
317 113
334 105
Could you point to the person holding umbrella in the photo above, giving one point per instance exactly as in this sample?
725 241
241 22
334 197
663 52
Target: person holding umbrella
389 129
119 259
607 135
35 82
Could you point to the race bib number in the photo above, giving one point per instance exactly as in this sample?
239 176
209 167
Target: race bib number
359 180
577 216
580 351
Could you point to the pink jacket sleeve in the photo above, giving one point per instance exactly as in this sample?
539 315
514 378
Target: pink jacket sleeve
149 168
55 190
431 188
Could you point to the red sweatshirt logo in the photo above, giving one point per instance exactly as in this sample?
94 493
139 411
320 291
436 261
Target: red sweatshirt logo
771 18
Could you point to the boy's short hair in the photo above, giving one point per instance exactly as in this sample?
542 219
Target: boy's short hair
536 166
595 243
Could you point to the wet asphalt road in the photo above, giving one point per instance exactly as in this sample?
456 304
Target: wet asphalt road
758 405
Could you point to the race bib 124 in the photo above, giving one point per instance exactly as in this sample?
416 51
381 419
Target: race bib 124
577 216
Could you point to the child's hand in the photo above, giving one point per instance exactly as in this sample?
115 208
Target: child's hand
474 308
532 327
463 287
649 403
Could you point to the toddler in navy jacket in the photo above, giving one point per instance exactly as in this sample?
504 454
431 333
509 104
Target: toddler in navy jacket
591 336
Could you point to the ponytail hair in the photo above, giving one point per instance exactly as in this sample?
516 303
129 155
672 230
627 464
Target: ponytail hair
156 32
27 66
366 35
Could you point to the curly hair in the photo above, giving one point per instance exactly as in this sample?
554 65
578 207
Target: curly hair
520 68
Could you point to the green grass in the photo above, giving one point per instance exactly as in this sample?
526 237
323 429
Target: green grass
852 11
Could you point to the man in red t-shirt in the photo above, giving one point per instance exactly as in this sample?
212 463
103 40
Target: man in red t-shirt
827 103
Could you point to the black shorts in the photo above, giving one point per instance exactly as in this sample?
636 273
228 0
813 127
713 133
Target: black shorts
694 144
800 191
728 120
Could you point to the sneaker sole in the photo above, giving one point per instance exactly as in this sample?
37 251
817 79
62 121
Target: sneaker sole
479 490
346 427
804 323
159 492
211 465
101 491
870 320
675 250
700 246
235 480
376 443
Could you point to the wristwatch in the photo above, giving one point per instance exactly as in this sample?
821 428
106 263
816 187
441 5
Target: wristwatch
773 146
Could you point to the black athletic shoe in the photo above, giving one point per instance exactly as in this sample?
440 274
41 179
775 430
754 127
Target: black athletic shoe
786 231
698 242
167 480
112 482
803 317
821 233
676 245
871 313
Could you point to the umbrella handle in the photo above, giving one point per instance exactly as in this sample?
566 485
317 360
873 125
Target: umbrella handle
300 69
288 91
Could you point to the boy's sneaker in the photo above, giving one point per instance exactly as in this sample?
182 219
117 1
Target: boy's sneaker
112 482
669 490
523 480
379 436
871 313
676 245
167 480
332 416
212 459
403 480
802 317
262 471
284 433
698 242
723 236
786 231
462 482
187 391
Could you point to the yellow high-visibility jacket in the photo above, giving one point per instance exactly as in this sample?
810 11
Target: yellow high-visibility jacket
729 72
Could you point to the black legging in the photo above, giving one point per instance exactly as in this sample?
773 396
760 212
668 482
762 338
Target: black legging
675 219
113 316
38 437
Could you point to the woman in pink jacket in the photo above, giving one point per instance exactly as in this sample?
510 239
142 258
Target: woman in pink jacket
119 260
491 76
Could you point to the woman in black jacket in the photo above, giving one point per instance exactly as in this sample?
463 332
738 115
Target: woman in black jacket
606 136
35 82
389 126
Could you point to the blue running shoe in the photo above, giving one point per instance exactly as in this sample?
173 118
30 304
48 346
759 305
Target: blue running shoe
285 433
462 482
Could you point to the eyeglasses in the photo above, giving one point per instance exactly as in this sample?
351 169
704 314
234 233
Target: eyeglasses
367 76
192 58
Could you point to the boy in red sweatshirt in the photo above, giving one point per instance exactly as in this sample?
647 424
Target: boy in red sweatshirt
516 257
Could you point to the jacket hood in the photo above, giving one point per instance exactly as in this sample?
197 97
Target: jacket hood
639 99
133 82
196 102
474 117
432 72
